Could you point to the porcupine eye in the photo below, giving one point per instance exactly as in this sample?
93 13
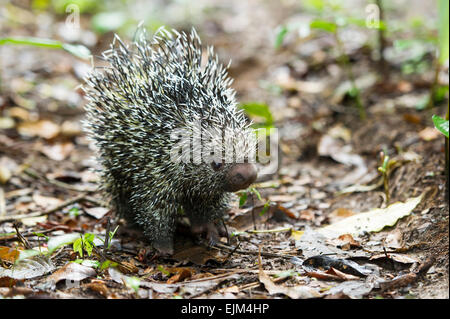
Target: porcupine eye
216 166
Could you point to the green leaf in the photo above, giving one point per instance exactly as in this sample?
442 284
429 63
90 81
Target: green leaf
77 50
132 282
283 30
243 199
260 110
58 241
78 246
107 263
441 124
265 208
443 31
323 25
24 254
255 191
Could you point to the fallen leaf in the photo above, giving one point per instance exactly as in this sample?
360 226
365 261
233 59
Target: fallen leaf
73 272
180 275
429 134
99 287
9 254
46 201
28 268
371 221
294 292
58 241
400 258
296 234
58 151
353 289
97 212
43 128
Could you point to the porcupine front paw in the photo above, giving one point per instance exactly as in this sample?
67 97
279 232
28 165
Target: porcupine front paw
210 230
164 246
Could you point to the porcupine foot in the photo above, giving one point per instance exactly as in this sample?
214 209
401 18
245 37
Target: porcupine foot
164 246
210 230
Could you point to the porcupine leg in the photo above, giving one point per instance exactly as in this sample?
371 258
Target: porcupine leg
208 220
158 226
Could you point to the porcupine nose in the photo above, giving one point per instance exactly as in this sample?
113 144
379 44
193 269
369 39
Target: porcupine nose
240 176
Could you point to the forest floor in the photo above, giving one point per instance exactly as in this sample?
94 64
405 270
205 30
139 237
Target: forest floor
327 172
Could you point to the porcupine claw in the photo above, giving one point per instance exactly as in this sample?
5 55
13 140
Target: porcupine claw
211 231
164 247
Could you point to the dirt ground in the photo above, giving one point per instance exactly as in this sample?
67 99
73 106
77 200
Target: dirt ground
324 148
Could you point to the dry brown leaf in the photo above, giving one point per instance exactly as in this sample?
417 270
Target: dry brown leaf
45 201
43 128
98 286
429 134
307 215
73 272
9 254
19 113
97 212
282 198
294 292
58 151
341 275
180 275
7 282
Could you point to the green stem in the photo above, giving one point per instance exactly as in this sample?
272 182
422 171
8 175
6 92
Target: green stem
434 84
47 43
446 159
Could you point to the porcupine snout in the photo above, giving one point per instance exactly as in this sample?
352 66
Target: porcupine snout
240 176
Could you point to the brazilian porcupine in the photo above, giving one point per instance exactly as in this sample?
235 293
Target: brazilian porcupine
149 93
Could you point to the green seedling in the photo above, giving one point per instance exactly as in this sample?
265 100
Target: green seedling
84 244
259 110
243 196
443 127
385 169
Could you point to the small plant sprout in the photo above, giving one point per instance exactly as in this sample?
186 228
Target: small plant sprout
442 126
84 244
385 170
243 196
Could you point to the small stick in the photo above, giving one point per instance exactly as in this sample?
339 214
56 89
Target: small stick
22 239
31 172
269 230
249 252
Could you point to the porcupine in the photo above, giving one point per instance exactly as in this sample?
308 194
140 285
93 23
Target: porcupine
148 91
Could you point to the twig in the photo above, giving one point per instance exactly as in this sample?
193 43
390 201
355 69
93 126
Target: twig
31 172
231 253
22 239
46 212
262 231
249 252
